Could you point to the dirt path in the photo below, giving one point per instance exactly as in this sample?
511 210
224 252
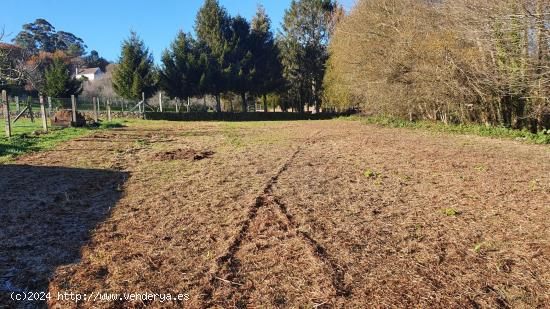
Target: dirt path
285 214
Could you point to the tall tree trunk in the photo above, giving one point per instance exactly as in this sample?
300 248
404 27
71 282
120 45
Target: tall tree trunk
505 111
265 103
243 102
317 106
218 103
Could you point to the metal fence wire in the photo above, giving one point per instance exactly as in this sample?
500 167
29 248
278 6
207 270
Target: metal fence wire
24 105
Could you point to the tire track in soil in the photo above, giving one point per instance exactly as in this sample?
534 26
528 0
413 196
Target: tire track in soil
338 273
230 262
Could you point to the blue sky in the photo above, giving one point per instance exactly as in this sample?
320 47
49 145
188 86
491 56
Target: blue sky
103 24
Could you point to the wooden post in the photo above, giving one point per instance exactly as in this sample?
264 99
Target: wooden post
73 103
122 105
29 105
43 114
98 106
96 118
143 102
177 105
109 110
49 106
6 112
17 105
160 101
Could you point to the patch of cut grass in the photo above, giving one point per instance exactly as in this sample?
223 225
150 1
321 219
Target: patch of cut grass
231 131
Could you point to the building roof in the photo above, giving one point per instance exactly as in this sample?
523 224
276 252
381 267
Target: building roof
89 71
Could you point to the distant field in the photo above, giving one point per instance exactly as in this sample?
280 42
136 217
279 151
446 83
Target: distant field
304 214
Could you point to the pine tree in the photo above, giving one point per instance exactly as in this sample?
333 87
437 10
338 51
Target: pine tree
212 26
267 74
240 59
180 73
135 72
58 82
303 43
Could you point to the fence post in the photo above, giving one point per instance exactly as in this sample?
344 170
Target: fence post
160 101
98 106
96 118
17 105
6 113
109 110
29 104
73 103
43 115
122 105
49 106
142 102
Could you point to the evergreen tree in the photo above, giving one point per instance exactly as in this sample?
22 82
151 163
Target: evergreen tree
267 74
212 26
58 82
180 74
240 59
303 43
212 79
135 72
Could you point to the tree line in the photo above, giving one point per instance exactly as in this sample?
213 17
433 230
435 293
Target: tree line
461 61
232 55
226 56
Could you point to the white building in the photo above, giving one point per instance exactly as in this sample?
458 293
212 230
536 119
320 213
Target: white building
90 74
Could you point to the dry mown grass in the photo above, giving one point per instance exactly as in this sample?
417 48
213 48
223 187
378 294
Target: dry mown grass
286 214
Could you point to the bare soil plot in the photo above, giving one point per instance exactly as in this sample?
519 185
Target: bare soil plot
325 214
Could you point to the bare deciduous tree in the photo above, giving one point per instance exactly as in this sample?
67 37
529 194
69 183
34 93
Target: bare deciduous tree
451 61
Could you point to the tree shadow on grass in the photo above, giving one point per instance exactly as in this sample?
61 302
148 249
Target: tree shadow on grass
46 215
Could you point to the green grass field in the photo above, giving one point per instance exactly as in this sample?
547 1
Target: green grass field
22 126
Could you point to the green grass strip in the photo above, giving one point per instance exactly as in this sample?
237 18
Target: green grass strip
474 129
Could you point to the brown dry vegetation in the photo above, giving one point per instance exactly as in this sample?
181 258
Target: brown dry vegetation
325 214
460 61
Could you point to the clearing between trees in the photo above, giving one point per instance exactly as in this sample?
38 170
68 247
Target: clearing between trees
324 214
